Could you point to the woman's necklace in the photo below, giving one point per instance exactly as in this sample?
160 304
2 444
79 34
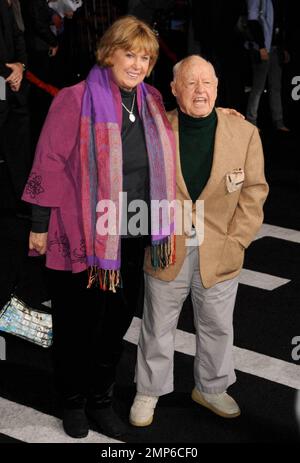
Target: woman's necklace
131 115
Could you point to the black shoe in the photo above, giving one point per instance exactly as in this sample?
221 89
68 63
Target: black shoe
283 129
107 421
75 422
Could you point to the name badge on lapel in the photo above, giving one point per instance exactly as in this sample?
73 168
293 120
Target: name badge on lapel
235 180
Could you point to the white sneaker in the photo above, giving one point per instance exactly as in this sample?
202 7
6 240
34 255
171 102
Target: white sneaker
221 404
142 410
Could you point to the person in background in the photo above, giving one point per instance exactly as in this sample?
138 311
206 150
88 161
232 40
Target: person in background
268 54
42 47
14 115
18 14
41 42
65 7
62 9
220 162
62 72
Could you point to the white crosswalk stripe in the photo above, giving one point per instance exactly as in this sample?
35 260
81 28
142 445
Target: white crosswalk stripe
29 425
281 233
261 280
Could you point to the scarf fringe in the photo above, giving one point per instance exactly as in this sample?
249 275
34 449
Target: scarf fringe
108 280
163 253
104 98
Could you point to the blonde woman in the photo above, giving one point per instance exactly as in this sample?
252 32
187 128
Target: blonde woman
106 135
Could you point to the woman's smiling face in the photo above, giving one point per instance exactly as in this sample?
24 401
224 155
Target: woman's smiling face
129 67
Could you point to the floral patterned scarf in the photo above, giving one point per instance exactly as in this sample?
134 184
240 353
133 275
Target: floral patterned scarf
102 172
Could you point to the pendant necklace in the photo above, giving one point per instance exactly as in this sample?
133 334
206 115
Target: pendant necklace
131 115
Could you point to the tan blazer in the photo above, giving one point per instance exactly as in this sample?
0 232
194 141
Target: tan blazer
233 202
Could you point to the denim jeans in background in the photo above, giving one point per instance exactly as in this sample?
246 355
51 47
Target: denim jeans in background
263 70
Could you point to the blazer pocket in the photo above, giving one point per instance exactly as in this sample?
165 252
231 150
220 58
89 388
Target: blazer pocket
235 180
232 257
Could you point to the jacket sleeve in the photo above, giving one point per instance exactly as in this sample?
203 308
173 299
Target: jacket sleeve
253 10
19 44
40 217
59 137
17 51
248 216
39 16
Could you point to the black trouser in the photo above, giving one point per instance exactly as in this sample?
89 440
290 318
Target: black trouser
14 140
40 64
89 325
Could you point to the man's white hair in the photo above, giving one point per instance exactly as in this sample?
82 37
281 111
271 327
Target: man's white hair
178 65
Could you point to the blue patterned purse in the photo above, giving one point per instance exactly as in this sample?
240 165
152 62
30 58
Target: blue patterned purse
19 319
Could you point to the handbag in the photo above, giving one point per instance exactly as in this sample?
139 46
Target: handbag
19 319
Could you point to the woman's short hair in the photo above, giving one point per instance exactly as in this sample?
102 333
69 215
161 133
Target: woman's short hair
127 33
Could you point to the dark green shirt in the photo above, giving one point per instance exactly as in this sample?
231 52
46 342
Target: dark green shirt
196 144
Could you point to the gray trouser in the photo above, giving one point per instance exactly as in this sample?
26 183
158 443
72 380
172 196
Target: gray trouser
213 310
262 70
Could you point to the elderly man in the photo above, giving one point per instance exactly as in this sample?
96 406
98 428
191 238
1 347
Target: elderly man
219 161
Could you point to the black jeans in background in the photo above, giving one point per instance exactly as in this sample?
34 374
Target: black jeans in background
14 141
89 325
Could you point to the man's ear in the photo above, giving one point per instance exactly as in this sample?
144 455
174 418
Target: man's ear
173 88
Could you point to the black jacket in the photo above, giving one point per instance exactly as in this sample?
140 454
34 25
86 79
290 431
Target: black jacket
279 27
37 18
12 44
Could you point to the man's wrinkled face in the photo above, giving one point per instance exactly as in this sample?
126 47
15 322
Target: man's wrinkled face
195 87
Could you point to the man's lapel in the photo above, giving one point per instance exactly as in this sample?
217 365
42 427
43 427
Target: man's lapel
221 155
173 118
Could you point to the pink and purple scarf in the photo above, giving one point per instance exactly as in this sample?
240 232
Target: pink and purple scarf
102 171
